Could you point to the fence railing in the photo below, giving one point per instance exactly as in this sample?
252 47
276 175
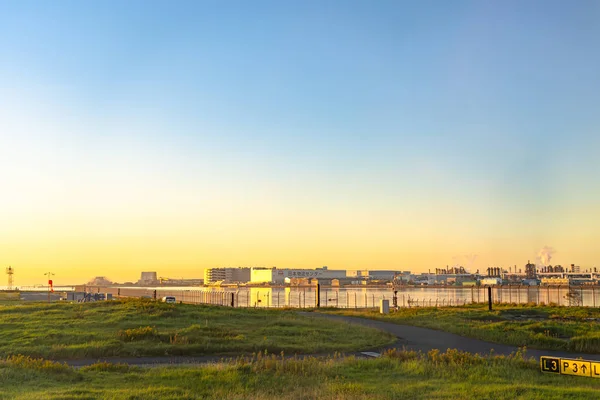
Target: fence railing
305 297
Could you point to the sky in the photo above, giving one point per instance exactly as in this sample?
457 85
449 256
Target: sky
174 136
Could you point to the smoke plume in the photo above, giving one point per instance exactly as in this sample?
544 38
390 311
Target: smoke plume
545 255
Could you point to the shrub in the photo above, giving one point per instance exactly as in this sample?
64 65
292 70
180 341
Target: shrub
588 343
454 357
107 367
402 355
38 364
141 333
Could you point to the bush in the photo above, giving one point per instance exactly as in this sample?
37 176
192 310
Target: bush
402 355
38 364
107 367
141 333
586 344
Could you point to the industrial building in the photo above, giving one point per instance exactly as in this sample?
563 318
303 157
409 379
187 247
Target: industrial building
148 278
377 275
227 275
490 281
279 276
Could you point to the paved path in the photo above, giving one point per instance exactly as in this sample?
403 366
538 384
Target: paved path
424 339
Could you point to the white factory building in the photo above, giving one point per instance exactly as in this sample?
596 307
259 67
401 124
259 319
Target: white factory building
278 276
384 275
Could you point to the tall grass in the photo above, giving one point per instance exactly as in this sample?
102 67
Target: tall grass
541 327
148 328
396 374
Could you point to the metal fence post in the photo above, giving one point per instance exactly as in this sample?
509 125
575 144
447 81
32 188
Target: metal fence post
490 298
318 294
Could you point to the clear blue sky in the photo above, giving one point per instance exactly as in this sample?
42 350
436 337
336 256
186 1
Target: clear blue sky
477 118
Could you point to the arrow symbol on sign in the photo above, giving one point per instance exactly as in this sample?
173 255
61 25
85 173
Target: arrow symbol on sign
583 367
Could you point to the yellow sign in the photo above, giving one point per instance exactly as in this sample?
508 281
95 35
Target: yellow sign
595 369
567 366
550 364
575 367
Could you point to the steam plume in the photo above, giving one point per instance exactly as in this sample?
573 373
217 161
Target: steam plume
545 255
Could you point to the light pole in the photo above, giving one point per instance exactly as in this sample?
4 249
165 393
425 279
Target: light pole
49 274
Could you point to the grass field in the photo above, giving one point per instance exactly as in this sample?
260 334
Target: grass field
551 328
147 328
397 375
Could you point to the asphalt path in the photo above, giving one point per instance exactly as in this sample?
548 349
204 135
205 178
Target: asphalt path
408 337
424 339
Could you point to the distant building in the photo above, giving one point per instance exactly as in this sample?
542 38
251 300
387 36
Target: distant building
555 281
148 278
530 272
575 268
490 281
379 275
278 276
227 275
100 281
530 282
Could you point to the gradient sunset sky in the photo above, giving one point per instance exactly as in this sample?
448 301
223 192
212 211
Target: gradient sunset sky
172 136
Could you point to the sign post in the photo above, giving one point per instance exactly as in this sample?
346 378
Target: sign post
50 287
567 366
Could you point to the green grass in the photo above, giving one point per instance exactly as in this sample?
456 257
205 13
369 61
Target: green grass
542 327
396 375
148 328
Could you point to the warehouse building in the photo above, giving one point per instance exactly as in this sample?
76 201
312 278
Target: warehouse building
227 275
279 276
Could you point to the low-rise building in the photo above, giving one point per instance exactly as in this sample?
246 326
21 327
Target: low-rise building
279 276
148 278
227 275
555 281
378 274
490 281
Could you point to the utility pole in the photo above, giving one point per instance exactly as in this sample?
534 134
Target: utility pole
49 274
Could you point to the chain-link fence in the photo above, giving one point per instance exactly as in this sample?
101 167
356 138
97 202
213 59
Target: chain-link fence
352 297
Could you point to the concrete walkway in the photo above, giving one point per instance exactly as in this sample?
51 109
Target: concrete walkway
424 339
